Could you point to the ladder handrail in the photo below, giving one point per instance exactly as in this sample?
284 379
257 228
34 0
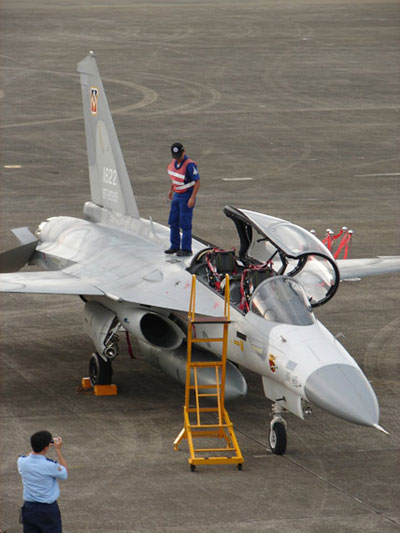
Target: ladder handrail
223 429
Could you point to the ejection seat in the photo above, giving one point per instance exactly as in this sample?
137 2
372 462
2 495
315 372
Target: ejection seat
251 278
226 263
212 265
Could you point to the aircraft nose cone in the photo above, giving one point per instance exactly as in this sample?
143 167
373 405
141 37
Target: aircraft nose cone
343 391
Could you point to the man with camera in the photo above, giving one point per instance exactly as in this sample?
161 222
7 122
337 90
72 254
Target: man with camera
40 512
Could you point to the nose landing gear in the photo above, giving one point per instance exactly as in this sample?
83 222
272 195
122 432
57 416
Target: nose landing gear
277 431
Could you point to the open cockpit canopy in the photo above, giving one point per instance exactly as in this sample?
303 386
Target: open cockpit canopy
289 249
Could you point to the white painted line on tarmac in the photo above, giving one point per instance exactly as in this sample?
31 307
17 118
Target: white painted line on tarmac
376 175
237 179
12 166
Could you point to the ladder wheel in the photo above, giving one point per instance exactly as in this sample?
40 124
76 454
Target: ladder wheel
240 466
193 468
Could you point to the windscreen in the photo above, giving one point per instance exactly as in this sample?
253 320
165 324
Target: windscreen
281 299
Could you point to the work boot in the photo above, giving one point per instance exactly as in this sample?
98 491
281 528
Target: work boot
171 251
184 253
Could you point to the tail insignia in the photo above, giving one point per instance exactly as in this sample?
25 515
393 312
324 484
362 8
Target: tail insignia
94 95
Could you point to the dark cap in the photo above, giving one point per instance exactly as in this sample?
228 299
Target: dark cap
177 149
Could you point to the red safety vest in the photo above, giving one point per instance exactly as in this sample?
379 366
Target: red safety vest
177 176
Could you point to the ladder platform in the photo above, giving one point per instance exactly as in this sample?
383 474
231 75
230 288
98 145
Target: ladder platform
210 320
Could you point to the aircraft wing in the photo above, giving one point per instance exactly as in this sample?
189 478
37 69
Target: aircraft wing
55 282
360 268
151 289
141 282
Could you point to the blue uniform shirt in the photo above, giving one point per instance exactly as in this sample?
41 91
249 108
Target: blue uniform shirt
192 174
39 477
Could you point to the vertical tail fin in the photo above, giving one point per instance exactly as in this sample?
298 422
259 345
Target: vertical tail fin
110 186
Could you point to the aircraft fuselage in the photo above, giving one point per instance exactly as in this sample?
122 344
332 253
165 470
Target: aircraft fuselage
297 363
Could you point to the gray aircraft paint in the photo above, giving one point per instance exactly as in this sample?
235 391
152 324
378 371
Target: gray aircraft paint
110 186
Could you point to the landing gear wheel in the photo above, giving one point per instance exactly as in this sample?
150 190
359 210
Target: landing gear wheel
100 371
277 438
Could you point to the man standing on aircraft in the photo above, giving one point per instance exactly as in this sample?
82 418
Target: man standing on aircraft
185 185
40 511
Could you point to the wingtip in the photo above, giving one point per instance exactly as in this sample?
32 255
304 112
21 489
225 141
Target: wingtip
377 426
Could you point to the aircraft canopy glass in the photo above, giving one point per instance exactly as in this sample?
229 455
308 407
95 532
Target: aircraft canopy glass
282 299
291 239
289 249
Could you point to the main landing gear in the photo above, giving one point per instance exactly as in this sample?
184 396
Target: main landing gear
277 432
100 364
100 370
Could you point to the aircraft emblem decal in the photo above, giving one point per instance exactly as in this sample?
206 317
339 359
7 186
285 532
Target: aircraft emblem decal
271 360
94 95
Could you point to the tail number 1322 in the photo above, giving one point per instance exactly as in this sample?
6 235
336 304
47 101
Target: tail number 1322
110 176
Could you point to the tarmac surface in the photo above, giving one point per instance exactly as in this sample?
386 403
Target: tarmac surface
300 97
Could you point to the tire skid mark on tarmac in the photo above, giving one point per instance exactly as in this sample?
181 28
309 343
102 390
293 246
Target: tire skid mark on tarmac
148 97
203 97
278 77
85 417
379 353
323 479
317 498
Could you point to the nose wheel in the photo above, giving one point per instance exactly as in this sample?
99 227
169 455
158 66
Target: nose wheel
277 438
277 430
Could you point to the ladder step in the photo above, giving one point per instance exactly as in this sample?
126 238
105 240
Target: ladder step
203 410
192 387
209 434
208 394
214 449
210 364
200 426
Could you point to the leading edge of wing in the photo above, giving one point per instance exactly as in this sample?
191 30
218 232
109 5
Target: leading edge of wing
54 282
375 266
59 282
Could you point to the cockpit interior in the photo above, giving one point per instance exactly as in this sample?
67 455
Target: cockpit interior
276 262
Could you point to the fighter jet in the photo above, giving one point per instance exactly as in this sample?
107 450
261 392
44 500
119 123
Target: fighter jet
114 260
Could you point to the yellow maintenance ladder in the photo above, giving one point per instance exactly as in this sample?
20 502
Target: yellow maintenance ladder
223 429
